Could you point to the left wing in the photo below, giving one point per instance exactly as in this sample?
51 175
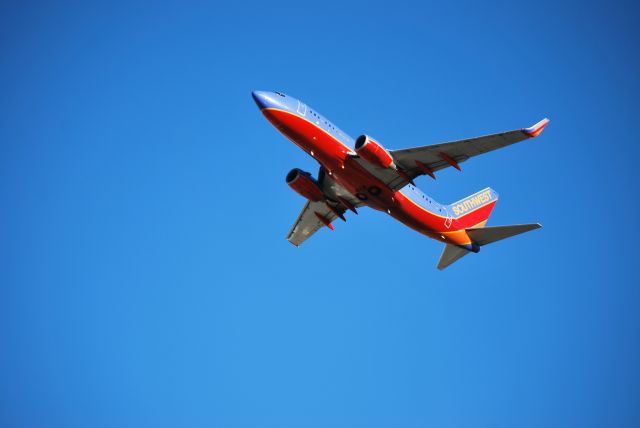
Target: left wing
423 160
310 220
314 215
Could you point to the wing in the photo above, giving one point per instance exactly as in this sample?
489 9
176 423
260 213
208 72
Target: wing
314 215
308 222
418 161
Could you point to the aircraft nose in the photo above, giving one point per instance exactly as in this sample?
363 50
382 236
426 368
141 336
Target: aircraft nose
261 98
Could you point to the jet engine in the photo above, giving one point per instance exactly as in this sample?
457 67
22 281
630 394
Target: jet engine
305 185
371 151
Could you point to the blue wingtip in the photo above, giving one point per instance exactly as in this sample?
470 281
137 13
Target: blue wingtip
536 129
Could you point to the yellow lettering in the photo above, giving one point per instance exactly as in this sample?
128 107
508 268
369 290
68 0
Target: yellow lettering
472 202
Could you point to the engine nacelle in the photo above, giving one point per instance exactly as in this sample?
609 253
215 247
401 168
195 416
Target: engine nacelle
371 151
303 184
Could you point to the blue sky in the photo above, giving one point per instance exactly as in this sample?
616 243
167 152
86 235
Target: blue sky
146 281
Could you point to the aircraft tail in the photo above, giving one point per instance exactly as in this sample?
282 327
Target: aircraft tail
481 236
474 210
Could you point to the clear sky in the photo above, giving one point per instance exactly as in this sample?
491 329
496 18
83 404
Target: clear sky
144 276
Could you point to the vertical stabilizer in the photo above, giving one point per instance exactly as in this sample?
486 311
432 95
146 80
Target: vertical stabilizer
474 210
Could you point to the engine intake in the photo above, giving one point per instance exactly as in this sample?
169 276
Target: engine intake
304 184
371 151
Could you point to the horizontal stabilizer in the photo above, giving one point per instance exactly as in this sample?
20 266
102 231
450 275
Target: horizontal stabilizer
487 235
451 254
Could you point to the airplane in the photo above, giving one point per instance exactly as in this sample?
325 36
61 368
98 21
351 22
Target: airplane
361 172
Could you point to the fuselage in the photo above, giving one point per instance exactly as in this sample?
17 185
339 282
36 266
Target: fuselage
334 150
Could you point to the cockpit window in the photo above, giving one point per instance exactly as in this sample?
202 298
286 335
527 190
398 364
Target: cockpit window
281 94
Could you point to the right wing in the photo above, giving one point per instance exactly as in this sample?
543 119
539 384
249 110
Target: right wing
422 160
310 219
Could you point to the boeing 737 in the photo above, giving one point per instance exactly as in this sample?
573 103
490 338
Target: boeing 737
361 172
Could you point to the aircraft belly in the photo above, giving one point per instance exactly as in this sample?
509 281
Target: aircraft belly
333 155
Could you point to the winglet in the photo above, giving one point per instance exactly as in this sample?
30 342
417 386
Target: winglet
536 129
